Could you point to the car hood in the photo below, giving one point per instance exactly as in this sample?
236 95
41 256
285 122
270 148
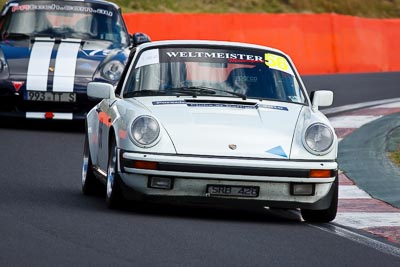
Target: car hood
84 57
226 127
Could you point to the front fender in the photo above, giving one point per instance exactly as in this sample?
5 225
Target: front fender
122 115
306 118
92 130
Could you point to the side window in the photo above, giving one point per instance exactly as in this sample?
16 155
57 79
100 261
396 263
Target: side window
279 85
287 88
133 81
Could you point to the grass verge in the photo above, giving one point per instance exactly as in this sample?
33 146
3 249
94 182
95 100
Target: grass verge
395 157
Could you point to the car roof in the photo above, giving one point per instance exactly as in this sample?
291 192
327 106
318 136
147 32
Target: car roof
207 43
55 1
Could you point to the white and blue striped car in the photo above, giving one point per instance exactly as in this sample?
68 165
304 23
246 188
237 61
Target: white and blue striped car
51 50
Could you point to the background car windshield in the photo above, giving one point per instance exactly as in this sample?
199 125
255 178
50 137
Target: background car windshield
66 20
217 72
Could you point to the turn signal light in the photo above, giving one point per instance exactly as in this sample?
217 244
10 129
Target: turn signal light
148 165
321 173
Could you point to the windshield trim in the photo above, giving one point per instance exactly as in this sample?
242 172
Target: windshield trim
222 46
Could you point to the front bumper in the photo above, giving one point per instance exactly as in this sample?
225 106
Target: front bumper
191 175
13 104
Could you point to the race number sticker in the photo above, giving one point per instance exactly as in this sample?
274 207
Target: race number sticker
278 63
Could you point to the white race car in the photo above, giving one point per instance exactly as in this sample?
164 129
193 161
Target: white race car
209 122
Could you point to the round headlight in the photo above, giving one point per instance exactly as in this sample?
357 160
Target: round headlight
145 131
318 138
112 71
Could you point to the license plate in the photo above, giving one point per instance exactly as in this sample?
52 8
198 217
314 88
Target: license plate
50 96
233 190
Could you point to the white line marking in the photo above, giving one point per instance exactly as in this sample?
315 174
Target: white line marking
39 62
351 121
64 74
352 192
391 105
345 108
361 239
361 220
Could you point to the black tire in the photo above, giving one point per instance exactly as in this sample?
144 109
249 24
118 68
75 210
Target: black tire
327 215
90 184
114 198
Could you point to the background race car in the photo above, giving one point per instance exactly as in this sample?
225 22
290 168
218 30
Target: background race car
51 50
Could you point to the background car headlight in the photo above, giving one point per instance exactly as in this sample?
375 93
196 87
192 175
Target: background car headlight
318 138
145 130
113 70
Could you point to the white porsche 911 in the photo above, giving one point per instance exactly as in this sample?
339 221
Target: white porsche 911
216 123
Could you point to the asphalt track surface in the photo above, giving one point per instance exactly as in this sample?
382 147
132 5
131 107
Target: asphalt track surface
369 145
356 88
46 221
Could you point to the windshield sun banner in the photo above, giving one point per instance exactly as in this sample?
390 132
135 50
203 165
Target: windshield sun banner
217 56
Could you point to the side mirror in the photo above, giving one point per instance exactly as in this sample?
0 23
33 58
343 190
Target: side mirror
140 38
321 98
100 90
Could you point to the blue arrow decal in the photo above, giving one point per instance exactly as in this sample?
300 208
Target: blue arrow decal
277 151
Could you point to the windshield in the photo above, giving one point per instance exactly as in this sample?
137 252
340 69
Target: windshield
214 72
65 20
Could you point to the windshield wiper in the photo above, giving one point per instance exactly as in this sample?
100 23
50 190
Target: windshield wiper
184 90
146 92
209 91
193 90
155 92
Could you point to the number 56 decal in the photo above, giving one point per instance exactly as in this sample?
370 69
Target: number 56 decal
277 62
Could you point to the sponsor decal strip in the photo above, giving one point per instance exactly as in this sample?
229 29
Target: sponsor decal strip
273 107
65 66
174 102
211 105
39 62
65 8
232 57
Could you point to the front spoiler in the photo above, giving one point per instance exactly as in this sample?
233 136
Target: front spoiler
191 174
133 193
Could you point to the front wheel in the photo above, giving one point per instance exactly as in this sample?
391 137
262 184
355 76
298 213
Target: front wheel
114 196
326 215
